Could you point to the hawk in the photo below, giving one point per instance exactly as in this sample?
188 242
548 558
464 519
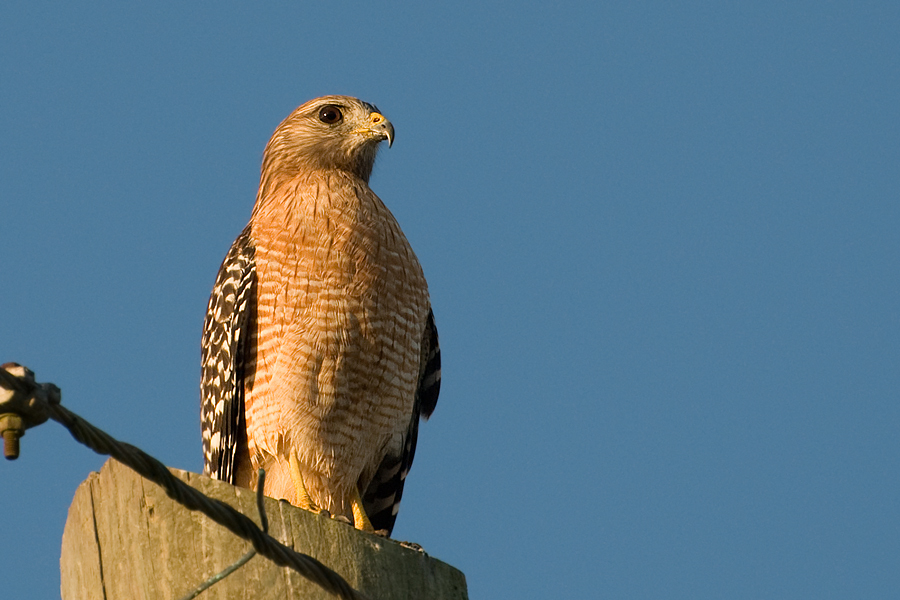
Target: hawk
319 350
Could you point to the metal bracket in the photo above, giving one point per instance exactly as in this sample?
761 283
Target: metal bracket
23 404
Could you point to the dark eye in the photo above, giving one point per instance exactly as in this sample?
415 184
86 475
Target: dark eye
330 114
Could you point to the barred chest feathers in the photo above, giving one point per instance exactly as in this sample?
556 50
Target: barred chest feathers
341 310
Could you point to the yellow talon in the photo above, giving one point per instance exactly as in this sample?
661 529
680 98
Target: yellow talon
360 520
303 499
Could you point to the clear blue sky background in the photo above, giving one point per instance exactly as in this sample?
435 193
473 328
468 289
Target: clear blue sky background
662 240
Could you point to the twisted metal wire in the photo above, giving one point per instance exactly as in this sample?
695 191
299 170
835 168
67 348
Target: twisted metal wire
102 443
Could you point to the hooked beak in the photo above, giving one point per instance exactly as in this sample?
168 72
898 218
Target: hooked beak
380 128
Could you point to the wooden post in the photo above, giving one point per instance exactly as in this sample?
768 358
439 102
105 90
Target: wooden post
125 538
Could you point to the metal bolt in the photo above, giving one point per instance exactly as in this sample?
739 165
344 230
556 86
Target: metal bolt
13 428
11 444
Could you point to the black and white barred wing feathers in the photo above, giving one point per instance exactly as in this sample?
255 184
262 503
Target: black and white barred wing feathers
223 359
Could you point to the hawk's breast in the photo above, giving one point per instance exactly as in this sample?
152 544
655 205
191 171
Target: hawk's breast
341 308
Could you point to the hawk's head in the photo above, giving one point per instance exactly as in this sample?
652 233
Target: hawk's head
332 132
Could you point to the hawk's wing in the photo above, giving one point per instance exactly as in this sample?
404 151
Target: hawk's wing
382 498
223 359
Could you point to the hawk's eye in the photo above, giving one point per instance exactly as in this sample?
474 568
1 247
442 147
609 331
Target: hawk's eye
330 114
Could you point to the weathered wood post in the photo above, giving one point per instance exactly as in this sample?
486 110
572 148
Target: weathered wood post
125 538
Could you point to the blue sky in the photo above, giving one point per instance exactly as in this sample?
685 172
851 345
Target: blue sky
661 241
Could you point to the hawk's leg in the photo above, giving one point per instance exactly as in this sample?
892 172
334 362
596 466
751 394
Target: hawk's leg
303 499
360 519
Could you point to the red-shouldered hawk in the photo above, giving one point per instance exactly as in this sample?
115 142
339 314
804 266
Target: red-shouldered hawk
319 351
